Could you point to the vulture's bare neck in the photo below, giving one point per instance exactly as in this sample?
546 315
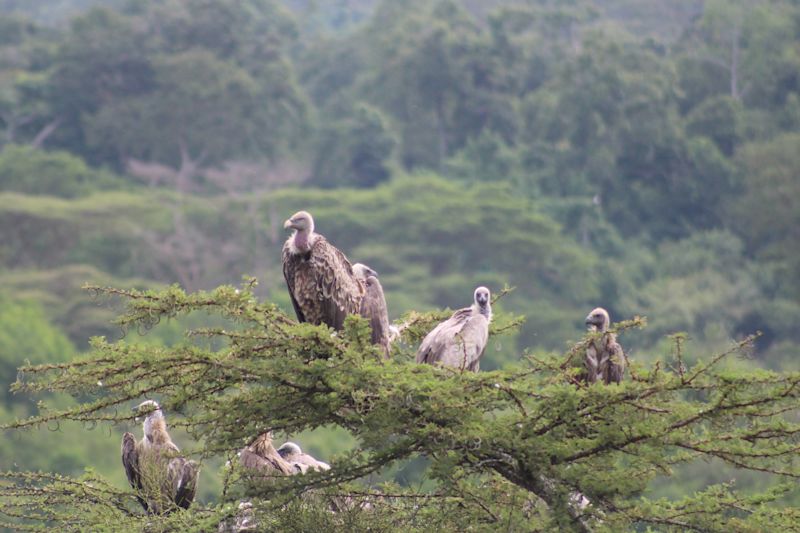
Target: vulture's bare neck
302 241
485 311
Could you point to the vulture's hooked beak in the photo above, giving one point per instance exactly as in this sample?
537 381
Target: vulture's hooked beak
288 224
592 323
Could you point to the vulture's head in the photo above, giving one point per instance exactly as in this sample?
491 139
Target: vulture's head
300 221
289 450
598 320
362 271
483 298
147 409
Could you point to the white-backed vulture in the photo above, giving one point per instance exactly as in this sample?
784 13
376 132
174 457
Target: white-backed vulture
262 457
460 340
605 359
292 453
319 276
163 479
373 306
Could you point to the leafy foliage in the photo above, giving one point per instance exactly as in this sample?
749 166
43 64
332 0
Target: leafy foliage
528 432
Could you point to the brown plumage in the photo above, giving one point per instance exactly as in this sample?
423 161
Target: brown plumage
262 457
163 479
373 306
460 340
605 360
320 279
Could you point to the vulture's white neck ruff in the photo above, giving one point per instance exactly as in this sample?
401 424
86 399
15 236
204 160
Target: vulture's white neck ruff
154 421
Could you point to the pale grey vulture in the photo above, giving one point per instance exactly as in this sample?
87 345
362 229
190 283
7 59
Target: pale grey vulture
262 457
321 282
460 340
292 453
605 359
163 479
373 306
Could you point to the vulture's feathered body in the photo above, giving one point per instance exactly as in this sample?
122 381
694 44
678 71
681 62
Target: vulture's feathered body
262 457
292 453
321 282
163 479
605 360
460 340
373 306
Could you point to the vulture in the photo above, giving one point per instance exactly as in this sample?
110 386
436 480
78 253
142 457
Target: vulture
605 359
292 453
373 306
163 479
262 457
460 340
320 279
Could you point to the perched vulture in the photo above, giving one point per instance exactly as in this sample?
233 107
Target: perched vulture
262 457
321 282
605 359
460 340
292 453
163 479
373 306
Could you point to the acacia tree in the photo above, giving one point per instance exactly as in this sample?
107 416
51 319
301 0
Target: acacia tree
528 447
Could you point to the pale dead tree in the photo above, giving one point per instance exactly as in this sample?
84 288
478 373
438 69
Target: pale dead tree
248 184
152 173
188 168
189 256
239 177
719 43
14 122
48 129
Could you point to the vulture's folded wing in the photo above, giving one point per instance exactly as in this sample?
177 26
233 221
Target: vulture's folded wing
289 268
130 460
373 307
339 293
436 344
184 475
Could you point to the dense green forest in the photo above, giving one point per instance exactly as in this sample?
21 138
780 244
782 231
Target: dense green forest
640 156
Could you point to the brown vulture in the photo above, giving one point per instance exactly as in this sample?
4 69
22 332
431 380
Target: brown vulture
321 282
373 306
460 340
163 479
262 457
605 359
292 453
